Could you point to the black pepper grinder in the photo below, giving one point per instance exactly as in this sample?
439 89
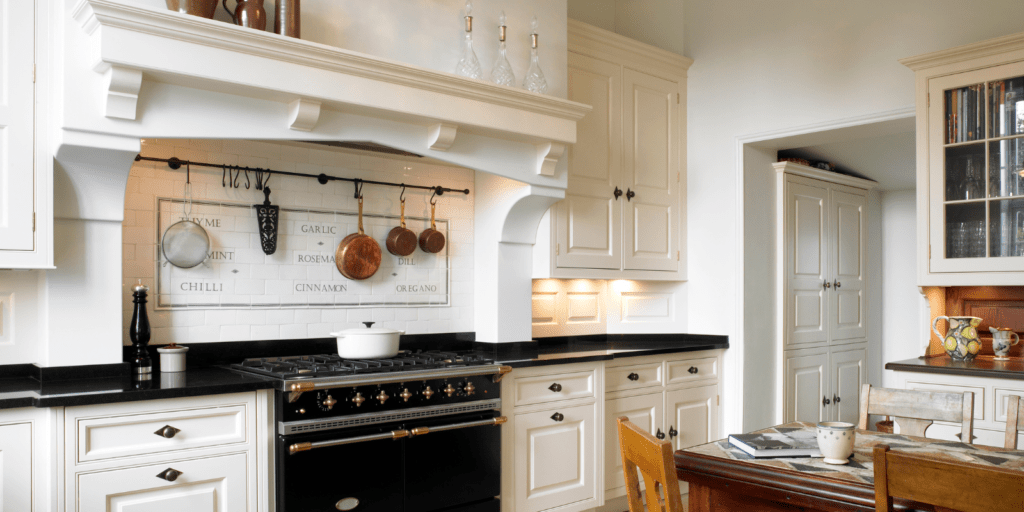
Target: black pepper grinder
139 332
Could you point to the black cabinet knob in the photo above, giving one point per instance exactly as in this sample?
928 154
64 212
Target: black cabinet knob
837 284
693 370
167 431
633 377
835 398
672 432
557 416
630 194
556 387
169 474
660 434
617 193
825 400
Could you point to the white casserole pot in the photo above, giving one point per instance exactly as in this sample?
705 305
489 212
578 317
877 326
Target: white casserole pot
369 343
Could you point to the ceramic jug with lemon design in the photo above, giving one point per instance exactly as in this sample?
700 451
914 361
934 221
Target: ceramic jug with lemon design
961 340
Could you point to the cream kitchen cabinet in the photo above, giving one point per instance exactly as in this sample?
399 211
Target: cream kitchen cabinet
197 454
820 384
24 460
552 438
26 214
623 215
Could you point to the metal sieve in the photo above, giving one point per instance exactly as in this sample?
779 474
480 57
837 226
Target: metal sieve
186 244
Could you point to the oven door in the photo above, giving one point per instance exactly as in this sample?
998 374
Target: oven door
452 463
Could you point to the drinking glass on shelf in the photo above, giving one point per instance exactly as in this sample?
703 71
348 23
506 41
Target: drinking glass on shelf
977 239
956 240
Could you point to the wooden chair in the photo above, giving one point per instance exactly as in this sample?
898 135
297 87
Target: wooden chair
641 450
915 410
1014 422
950 486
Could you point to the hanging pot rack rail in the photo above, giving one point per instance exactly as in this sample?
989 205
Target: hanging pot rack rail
176 163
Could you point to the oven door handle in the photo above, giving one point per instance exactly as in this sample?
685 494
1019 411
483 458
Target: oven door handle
420 431
394 434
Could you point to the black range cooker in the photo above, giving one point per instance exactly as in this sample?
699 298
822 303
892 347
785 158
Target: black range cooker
418 432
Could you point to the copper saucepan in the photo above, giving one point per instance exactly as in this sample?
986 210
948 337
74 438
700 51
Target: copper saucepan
401 240
432 240
358 255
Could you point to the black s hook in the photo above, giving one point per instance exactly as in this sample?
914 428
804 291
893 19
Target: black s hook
401 196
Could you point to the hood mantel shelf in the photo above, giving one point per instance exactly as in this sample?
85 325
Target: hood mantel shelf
199 72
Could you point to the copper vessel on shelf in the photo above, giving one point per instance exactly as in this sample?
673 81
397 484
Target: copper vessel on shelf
248 13
201 8
286 21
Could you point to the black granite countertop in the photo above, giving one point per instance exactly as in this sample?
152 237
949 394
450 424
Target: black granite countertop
981 366
29 392
599 347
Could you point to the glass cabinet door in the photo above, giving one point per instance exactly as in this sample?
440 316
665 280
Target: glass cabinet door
976 153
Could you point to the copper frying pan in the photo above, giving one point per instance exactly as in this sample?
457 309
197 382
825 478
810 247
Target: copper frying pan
358 254
401 240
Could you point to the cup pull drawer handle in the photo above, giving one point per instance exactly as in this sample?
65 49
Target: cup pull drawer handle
169 474
167 431
633 377
556 387
557 416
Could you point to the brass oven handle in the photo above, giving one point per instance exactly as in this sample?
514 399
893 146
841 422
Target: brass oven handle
396 434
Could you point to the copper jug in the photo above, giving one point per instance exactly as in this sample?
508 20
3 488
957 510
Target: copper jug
248 13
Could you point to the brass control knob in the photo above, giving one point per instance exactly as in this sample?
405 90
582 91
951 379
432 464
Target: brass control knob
358 399
427 392
329 402
450 390
405 394
383 397
469 389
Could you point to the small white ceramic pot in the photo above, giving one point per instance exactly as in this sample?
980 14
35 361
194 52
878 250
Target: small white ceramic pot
835 440
369 343
172 358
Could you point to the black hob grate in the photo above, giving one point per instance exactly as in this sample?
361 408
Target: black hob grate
331 365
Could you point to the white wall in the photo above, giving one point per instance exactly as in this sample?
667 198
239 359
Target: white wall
429 33
763 67
655 22
903 334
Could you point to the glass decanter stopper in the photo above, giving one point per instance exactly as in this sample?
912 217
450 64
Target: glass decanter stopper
534 80
469 65
502 73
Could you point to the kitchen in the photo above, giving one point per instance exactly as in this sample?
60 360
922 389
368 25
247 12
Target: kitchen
496 222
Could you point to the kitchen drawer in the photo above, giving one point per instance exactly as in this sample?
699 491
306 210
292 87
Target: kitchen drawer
550 388
633 377
213 484
691 370
128 435
1002 396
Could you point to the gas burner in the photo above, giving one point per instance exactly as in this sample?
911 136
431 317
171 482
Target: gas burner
331 365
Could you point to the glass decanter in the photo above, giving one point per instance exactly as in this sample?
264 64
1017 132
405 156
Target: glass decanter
502 73
469 65
534 80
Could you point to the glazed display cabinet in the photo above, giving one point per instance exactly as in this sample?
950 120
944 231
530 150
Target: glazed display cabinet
970 157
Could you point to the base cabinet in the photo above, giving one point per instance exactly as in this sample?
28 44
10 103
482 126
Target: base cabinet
16 467
557 457
215 484
647 412
823 384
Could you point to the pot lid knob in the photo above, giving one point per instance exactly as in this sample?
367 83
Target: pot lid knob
368 324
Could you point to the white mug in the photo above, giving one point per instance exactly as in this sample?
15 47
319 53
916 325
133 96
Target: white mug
835 440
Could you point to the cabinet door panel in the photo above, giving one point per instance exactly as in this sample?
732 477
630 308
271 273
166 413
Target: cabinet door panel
849 221
806 386
17 24
589 219
16 468
216 484
645 411
806 264
693 413
847 373
555 460
651 166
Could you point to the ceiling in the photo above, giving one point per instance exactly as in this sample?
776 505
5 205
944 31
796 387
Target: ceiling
888 159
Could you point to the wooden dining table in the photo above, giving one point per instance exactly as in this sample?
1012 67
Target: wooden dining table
722 477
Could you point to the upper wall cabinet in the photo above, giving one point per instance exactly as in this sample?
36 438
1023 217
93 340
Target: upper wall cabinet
970 160
623 215
25 184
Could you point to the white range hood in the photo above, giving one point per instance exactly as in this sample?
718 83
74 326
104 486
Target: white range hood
124 72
